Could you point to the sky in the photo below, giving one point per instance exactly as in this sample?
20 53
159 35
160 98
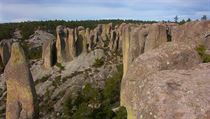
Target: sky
30 10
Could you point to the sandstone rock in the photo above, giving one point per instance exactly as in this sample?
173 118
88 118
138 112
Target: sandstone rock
114 41
21 94
193 33
5 49
61 47
71 43
167 57
82 42
169 94
138 39
38 38
89 37
157 35
106 31
48 54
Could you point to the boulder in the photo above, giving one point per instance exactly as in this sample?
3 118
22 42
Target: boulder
168 56
21 94
170 94
48 53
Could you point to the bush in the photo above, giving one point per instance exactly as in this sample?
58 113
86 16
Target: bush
95 103
59 65
201 51
98 62
43 79
121 113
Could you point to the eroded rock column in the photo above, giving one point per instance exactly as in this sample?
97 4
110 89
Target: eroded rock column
21 94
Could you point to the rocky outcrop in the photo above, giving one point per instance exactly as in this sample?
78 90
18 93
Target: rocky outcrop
38 38
48 53
167 57
61 44
193 33
137 39
71 43
169 94
21 95
5 49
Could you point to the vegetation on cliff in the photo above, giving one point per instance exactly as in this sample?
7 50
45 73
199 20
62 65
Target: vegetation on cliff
94 103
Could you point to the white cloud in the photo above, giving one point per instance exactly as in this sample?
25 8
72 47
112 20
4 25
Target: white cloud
101 9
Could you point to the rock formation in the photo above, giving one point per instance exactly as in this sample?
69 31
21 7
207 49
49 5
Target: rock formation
5 49
71 43
61 44
169 94
193 33
159 78
167 57
21 95
138 39
48 53
38 38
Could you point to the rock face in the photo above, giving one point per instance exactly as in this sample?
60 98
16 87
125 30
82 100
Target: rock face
169 94
137 39
38 38
193 33
168 56
48 53
71 43
62 53
5 49
21 95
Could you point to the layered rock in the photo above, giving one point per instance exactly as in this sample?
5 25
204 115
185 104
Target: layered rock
21 94
48 53
167 57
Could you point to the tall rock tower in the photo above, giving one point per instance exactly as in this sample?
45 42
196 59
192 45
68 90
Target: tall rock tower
21 94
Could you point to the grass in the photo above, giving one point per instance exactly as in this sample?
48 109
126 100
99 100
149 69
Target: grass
202 52
98 62
59 65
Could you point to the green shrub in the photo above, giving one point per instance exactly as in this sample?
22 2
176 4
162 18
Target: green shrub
57 81
59 65
43 79
98 62
201 51
95 103
111 90
121 113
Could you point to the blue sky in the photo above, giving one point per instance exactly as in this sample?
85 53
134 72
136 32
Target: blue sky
23 10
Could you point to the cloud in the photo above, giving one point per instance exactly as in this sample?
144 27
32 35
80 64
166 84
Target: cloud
18 10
